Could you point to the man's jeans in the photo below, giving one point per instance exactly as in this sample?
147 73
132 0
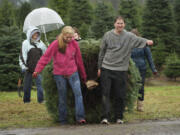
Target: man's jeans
28 85
61 82
116 81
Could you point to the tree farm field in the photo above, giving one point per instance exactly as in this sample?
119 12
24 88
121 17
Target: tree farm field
162 101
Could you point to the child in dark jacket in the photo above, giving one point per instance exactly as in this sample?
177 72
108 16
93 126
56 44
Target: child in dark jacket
139 56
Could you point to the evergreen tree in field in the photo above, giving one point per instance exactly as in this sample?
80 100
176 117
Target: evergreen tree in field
80 12
159 53
177 15
61 7
103 20
10 43
158 23
38 3
6 13
14 2
172 66
129 10
84 30
177 20
21 13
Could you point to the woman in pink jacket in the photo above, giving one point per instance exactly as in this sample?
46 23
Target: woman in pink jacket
67 64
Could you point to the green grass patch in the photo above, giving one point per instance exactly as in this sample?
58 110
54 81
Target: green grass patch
160 103
14 113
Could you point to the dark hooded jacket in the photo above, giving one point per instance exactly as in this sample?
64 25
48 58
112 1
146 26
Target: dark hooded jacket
140 55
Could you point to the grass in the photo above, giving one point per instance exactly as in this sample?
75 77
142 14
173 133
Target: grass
161 102
15 114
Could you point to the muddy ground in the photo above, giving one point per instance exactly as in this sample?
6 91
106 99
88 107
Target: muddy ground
163 127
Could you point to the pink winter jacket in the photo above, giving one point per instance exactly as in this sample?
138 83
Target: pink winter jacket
63 64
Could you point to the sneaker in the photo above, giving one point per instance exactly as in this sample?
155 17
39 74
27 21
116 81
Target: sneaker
82 121
105 121
119 121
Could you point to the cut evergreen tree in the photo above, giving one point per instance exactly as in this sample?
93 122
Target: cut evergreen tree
92 98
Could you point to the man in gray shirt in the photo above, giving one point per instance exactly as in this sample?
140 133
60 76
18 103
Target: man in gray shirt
113 63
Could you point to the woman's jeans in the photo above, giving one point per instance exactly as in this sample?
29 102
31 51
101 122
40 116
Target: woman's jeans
28 85
61 82
141 90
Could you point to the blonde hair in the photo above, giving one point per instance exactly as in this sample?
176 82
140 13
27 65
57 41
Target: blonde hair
62 45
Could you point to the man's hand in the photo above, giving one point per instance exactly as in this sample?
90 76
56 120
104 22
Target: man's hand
149 42
35 74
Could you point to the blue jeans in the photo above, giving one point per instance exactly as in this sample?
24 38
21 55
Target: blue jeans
141 90
28 85
61 82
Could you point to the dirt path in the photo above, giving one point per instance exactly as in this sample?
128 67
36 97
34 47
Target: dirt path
141 128
161 81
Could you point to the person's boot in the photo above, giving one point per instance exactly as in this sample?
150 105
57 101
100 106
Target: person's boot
140 107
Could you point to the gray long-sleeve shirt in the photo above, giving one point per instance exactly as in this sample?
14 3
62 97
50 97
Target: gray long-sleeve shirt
115 50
